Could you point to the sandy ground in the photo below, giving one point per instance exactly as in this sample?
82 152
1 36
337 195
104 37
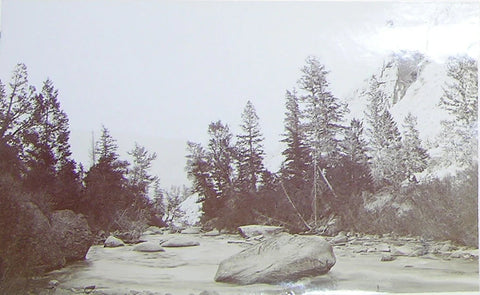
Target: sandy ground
191 271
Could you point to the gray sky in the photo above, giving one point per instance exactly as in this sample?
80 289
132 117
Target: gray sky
159 72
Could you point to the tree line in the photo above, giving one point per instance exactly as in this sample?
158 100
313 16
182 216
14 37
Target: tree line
36 165
330 164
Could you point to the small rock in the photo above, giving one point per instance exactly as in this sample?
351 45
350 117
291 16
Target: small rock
148 247
205 292
112 242
339 239
191 231
387 257
53 284
88 289
212 233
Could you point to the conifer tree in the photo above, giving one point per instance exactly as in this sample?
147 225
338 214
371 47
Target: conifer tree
139 176
414 155
323 115
295 166
221 153
249 151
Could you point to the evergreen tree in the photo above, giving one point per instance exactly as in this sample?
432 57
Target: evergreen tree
249 151
199 171
459 138
323 114
106 184
139 177
460 97
414 155
295 166
16 108
221 153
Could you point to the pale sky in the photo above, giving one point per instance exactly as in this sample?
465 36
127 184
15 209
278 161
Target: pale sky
159 72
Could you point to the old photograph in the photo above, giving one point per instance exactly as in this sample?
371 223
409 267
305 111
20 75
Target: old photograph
239 147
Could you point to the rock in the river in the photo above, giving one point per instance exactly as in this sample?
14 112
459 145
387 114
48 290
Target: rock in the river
148 247
112 242
52 284
212 233
180 242
278 259
387 257
73 234
191 231
249 231
341 238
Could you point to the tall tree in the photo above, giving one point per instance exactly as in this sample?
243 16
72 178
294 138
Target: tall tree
16 108
139 175
106 184
250 150
324 114
295 166
221 153
459 138
460 97
415 157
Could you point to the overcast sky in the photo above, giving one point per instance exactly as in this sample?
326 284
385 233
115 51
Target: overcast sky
159 72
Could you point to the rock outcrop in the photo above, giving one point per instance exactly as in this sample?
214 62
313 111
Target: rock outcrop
281 258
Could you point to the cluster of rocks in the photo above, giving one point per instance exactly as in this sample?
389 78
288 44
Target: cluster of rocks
392 246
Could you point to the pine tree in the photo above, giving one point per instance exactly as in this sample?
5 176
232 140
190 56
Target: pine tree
16 108
460 97
139 177
199 171
221 153
459 138
323 114
106 184
414 155
295 166
249 151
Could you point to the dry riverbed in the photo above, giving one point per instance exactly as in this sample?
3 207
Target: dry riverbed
441 267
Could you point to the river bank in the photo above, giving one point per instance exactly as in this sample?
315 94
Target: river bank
190 270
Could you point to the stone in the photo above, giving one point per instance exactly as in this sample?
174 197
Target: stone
112 242
191 231
180 242
249 231
212 233
52 284
72 233
341 238
280 258
387 257
148 247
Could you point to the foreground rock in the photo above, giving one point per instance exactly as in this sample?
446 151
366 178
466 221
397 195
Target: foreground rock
113 242
278 259
249 231
73 232
180 242
148 247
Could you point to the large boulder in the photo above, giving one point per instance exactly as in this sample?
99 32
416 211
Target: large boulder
249 231
42 247
72 233
281 258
